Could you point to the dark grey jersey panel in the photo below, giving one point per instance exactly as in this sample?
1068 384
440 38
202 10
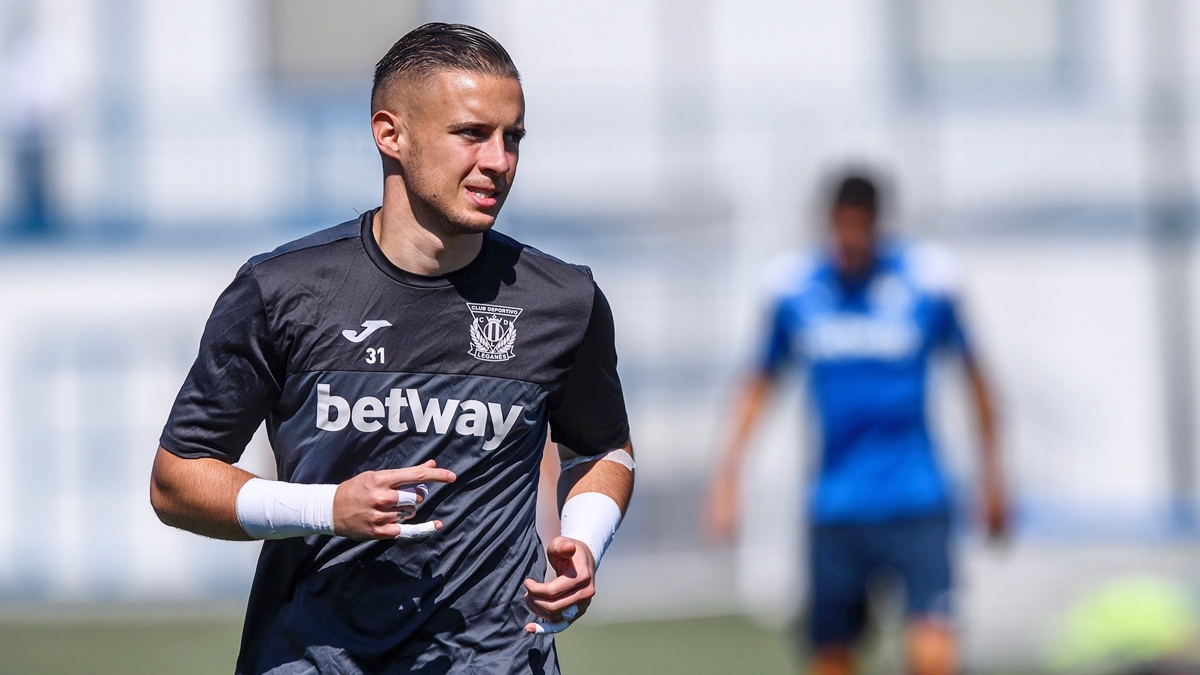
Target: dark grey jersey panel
357 365
384 603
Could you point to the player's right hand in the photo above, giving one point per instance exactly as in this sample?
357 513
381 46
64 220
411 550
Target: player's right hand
721 508
367 506
565 598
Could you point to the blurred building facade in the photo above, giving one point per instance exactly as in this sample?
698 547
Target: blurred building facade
675 146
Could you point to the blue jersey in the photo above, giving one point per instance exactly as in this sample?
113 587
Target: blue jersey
866 345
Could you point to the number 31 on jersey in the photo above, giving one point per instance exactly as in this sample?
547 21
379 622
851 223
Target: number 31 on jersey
375 355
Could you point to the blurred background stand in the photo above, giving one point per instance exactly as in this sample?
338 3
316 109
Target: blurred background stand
149 147
1171 212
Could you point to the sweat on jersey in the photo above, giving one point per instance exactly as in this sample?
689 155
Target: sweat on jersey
866 345
357 365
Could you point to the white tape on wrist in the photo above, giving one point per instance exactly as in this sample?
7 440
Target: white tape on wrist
271 509
619 456
593 518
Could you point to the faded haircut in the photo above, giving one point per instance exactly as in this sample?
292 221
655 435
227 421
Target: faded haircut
436 47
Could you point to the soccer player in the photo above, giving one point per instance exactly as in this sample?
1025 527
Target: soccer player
407 364
864 319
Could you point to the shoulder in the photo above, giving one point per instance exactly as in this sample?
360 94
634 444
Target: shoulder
930 268
535 258
540 272
791 275
318 244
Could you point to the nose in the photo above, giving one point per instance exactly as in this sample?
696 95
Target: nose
494 156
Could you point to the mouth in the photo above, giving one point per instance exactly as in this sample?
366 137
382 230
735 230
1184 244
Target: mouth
483 196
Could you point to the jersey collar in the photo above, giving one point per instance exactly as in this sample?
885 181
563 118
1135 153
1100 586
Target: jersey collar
409 278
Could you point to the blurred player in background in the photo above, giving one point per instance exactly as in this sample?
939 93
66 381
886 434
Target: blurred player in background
407 364
864 319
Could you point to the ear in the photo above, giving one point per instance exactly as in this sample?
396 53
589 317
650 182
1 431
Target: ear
391 135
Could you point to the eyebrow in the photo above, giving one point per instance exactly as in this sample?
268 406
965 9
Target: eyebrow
519 132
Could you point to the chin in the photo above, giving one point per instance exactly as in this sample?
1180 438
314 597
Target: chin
473 224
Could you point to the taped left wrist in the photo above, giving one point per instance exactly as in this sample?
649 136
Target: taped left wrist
591 518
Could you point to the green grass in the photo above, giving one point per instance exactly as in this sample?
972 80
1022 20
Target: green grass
721 645
118 647
206 646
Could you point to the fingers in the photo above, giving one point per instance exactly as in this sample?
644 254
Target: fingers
547 628
568 616
556 587
376 504
548 599
562 547
411 495
407 499
419 530
422 473
574 583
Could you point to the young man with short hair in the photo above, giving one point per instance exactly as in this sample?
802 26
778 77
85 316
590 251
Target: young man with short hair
407 364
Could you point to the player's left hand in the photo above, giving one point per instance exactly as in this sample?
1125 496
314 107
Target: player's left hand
572 588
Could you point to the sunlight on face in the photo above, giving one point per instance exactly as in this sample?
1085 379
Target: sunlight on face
464 133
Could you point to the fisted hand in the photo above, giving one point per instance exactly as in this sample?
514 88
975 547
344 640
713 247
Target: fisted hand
372 504
566 597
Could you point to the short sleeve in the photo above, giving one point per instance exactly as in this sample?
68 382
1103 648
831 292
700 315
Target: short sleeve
777 351
935 272
587 412
234 383
951 333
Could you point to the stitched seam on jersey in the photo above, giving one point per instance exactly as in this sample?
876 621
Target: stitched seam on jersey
588 325
195 449
523 248
303 248
270 325
416 372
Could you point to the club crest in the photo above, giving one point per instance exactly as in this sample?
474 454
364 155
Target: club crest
493 331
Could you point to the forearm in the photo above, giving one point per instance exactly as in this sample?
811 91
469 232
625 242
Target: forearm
198 495
748 410
985 415
593 496
608 478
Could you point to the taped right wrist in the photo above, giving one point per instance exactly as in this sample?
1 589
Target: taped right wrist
270 509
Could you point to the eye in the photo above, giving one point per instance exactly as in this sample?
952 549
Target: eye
471 133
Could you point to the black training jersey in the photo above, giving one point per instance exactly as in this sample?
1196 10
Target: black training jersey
357 365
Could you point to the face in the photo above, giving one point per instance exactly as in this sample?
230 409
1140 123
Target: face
854 238
457 144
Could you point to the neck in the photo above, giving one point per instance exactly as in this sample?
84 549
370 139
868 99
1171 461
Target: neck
419 244
857 273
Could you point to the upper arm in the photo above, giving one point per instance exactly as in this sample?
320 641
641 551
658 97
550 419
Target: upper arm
566 454
235 381
777 350
587 411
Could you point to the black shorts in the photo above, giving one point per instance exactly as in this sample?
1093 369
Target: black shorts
846 556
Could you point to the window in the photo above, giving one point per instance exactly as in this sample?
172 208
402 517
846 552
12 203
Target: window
960 49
